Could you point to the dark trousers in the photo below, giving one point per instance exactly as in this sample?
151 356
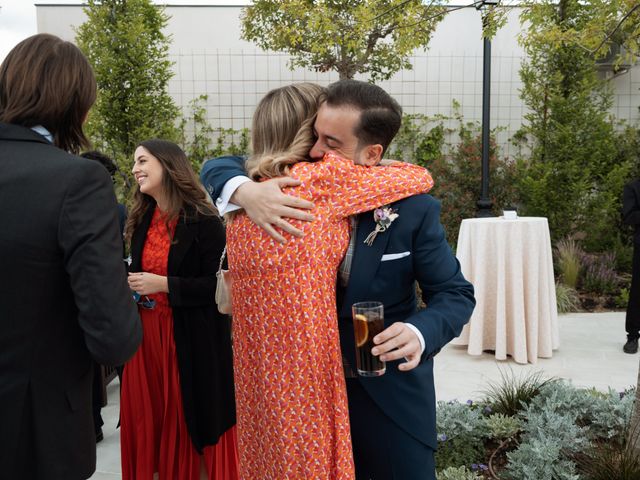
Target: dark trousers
382 450
97 398
632 322
22 461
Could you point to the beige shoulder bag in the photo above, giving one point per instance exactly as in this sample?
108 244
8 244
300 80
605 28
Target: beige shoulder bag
223 287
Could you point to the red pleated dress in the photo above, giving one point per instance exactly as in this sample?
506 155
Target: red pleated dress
154 436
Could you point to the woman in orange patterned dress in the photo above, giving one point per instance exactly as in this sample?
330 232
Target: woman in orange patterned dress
293 421
177 406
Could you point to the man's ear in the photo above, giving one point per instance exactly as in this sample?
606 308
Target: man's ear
372 155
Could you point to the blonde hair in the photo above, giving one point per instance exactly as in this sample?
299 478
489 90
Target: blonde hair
282 130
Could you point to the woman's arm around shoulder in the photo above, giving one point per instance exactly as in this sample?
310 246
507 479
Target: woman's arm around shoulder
358 188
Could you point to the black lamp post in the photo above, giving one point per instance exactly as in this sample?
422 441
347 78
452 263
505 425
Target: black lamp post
484 202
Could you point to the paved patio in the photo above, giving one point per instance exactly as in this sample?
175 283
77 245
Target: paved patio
590 355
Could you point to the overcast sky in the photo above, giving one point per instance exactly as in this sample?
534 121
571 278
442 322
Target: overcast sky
17 21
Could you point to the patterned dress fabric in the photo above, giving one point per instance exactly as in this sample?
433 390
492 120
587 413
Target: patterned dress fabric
154 436
293 421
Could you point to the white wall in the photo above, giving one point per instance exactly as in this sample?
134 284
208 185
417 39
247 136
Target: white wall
193 27
59 19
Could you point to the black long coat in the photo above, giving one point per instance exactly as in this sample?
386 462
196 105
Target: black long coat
202 335
631 207
63 300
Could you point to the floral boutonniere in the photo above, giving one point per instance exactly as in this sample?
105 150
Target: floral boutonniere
384 217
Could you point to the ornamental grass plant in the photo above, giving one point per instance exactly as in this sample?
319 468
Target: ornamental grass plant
607 460
567 298
513 394
568 261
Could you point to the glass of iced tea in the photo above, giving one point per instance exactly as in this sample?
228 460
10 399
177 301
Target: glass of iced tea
368 321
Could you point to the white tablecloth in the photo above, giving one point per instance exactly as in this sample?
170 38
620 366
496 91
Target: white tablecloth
510 265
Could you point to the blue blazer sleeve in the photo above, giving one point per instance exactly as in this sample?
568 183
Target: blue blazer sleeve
445 291
218 171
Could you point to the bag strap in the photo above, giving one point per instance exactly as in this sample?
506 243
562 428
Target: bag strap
222 257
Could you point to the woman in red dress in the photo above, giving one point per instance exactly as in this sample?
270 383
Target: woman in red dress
177 406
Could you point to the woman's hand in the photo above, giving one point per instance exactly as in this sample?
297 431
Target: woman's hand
268 207
146 283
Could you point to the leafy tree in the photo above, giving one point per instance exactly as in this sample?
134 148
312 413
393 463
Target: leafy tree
575 174
347 36
124 42
603 24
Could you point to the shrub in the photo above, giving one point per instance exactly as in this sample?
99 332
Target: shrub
199 146
604 231
608 415
128 48
622 299
513 394
455 419
551 436
563 433
456 168
416 142
540 458
460 473
562 422
461 429
615 456
502 426
460 450
624 254
599 273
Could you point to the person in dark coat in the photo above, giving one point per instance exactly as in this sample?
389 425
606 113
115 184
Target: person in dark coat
99 396
177 406
59 249
111 167
631 216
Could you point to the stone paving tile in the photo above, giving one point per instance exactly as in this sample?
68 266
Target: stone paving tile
590 355
108 450
106 476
